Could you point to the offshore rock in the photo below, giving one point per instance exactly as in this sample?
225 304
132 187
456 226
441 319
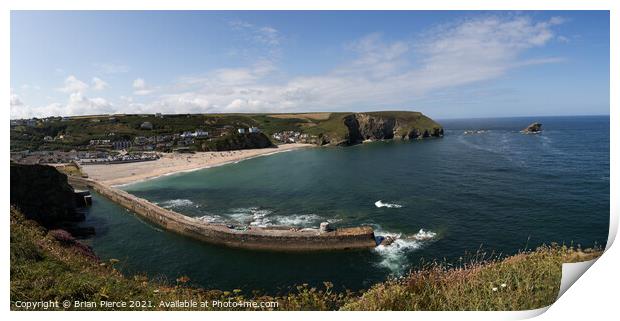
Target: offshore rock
534 128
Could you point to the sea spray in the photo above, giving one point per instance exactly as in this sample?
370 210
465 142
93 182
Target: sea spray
394 255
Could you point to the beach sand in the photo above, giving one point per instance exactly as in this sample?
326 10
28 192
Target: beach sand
119 174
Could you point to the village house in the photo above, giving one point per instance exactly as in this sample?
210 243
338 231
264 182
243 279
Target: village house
98 142
121 144
146 125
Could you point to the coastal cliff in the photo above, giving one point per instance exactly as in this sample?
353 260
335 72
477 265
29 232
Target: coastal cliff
374 126
43 194
401 125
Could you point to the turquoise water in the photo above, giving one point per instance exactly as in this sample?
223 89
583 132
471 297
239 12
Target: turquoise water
498 190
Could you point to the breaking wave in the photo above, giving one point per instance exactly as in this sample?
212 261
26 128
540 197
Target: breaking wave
252 216
255 216
299 220
177 203
380 204
394 256
211 219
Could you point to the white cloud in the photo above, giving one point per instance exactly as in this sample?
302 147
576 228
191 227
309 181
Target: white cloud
385 74
266 35
73 85
77 104
99 84
139 83
140 87
18 108
382 74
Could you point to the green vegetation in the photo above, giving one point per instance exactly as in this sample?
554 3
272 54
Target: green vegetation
70 170
237 141
76 132
527 280
45 267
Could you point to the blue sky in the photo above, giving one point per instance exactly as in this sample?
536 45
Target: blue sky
446 64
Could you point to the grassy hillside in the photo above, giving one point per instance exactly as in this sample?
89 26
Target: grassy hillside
76 132
528 280
45 267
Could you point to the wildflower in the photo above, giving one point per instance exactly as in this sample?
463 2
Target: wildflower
494 289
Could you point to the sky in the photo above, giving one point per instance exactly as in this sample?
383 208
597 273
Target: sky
446 64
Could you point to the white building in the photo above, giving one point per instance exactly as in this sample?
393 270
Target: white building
200 133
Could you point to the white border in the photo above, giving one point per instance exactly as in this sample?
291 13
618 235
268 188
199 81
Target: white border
592 296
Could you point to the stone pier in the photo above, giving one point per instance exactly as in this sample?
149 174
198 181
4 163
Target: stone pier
277 238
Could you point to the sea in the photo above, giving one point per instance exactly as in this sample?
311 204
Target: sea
484 188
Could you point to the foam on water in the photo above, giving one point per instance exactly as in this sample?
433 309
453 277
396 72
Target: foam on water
211 219
304 220
253 216
256 216
380 204
177 203
394 256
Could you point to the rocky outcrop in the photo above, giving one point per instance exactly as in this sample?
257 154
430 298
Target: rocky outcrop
377 126
533 128
238 141
43 194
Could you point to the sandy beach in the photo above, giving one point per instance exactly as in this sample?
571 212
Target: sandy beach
119 174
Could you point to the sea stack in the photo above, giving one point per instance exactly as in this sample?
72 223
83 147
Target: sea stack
534 128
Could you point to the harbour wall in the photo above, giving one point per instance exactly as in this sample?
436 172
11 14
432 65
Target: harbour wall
277 238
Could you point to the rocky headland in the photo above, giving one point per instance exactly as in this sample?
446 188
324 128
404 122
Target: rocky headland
371 126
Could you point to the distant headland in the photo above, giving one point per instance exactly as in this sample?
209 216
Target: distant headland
215 132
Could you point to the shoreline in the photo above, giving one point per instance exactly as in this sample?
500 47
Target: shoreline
171 163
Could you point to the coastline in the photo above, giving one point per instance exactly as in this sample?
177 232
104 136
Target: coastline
171 163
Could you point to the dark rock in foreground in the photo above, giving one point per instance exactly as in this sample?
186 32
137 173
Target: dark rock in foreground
43 194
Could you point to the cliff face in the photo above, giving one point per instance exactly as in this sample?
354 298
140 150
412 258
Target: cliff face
43 194
387 125
238 141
